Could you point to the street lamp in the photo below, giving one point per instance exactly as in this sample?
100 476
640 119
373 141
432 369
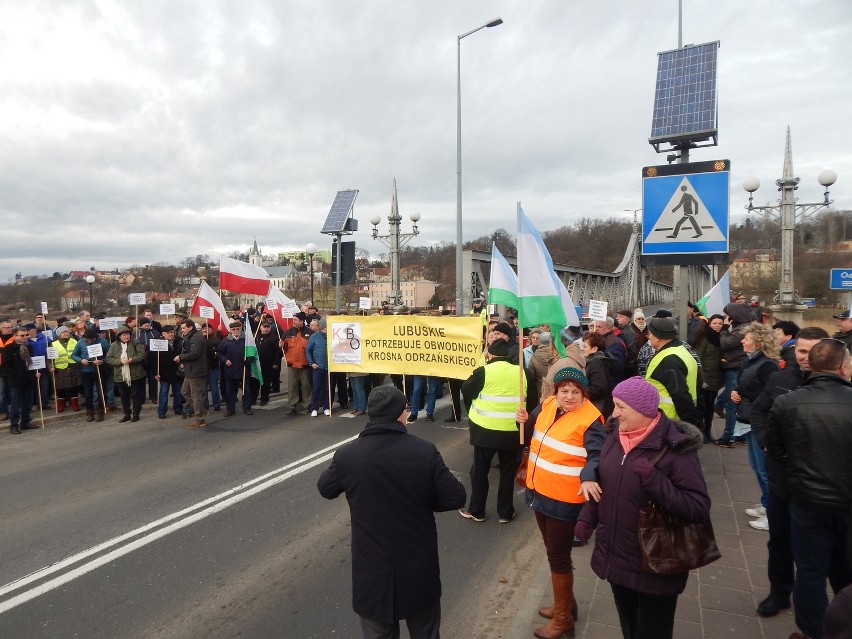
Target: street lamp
459 279
395 240
787 304
311 250
90 279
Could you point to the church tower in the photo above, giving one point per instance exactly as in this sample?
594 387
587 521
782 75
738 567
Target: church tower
255 258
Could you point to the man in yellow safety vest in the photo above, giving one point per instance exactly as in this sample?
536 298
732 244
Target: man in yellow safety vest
673 372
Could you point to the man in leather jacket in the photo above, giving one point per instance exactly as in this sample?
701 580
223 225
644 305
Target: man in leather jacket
809 431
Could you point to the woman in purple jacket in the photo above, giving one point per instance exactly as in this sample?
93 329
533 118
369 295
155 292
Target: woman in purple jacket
645 601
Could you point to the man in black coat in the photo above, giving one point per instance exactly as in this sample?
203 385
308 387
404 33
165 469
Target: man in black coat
394 483
269 353
16 358
809 431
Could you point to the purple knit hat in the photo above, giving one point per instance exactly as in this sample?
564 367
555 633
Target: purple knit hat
639 395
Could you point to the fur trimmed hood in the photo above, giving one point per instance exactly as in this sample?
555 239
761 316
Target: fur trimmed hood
680 436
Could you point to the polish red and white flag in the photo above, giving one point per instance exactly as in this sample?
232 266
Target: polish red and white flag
209 299
242 277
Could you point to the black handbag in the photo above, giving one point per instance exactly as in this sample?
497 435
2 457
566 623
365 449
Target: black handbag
670 546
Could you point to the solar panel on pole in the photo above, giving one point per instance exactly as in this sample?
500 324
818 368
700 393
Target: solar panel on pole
685 96
339 212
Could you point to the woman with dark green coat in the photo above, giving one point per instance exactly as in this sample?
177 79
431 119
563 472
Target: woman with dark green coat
710 353
127 358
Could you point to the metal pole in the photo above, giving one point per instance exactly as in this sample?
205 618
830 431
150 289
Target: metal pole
459 283
460 286
311 258
338 272
394 220
680 280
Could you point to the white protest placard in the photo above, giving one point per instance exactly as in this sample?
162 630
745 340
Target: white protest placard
364 303
492 309
158 345
206 312
95 350
167 309
37 363
44 308
52 352
597 310
135 299
271 304
290 309
108 323
49 335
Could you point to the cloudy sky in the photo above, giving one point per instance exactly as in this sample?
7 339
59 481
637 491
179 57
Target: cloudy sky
141 132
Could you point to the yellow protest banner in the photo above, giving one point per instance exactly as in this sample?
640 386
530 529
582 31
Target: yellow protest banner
443 346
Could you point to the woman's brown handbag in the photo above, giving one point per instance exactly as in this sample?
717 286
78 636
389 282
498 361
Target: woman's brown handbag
670 546
521 473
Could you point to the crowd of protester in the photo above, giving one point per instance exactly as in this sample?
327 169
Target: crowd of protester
611 415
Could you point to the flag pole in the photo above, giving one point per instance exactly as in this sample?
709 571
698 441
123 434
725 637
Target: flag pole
521 394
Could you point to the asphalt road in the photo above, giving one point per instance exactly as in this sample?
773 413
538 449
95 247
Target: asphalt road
154 530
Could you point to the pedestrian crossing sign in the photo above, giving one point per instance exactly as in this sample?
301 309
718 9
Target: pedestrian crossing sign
685 208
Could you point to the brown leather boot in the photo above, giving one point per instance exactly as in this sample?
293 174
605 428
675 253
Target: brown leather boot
99 414
90 414
562 623
547 611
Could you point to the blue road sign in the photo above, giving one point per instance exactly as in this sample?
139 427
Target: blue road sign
841 279
685 208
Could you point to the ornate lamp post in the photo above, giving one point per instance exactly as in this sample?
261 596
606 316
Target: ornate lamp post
395 240
787 304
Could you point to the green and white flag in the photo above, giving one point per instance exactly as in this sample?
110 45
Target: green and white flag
717 298
539 299
251 351
503 288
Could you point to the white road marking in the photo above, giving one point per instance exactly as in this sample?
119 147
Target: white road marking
183 518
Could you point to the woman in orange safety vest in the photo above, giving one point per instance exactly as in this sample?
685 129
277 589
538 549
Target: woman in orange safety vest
565 435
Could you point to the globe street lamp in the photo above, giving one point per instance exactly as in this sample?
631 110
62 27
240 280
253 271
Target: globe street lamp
459 277
787 304
90 279
311 250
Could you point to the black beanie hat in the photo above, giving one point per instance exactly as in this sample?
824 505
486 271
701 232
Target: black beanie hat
503 327
499 348
385 404
663 328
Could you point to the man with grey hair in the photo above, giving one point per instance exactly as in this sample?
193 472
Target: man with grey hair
615 346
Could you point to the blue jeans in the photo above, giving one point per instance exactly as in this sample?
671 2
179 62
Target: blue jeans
90 388
319 389
43 388
431 387
213 387
818 539
724 399
163 397
108 382
20 404
757 461
359 392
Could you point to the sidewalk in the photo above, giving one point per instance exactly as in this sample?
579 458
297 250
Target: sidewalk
719 600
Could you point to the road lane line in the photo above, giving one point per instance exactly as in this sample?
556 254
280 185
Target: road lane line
290 470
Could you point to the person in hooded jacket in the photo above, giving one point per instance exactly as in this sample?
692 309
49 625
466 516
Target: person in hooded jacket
713 378
394 483
733 356
600 371
128 357
637 432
